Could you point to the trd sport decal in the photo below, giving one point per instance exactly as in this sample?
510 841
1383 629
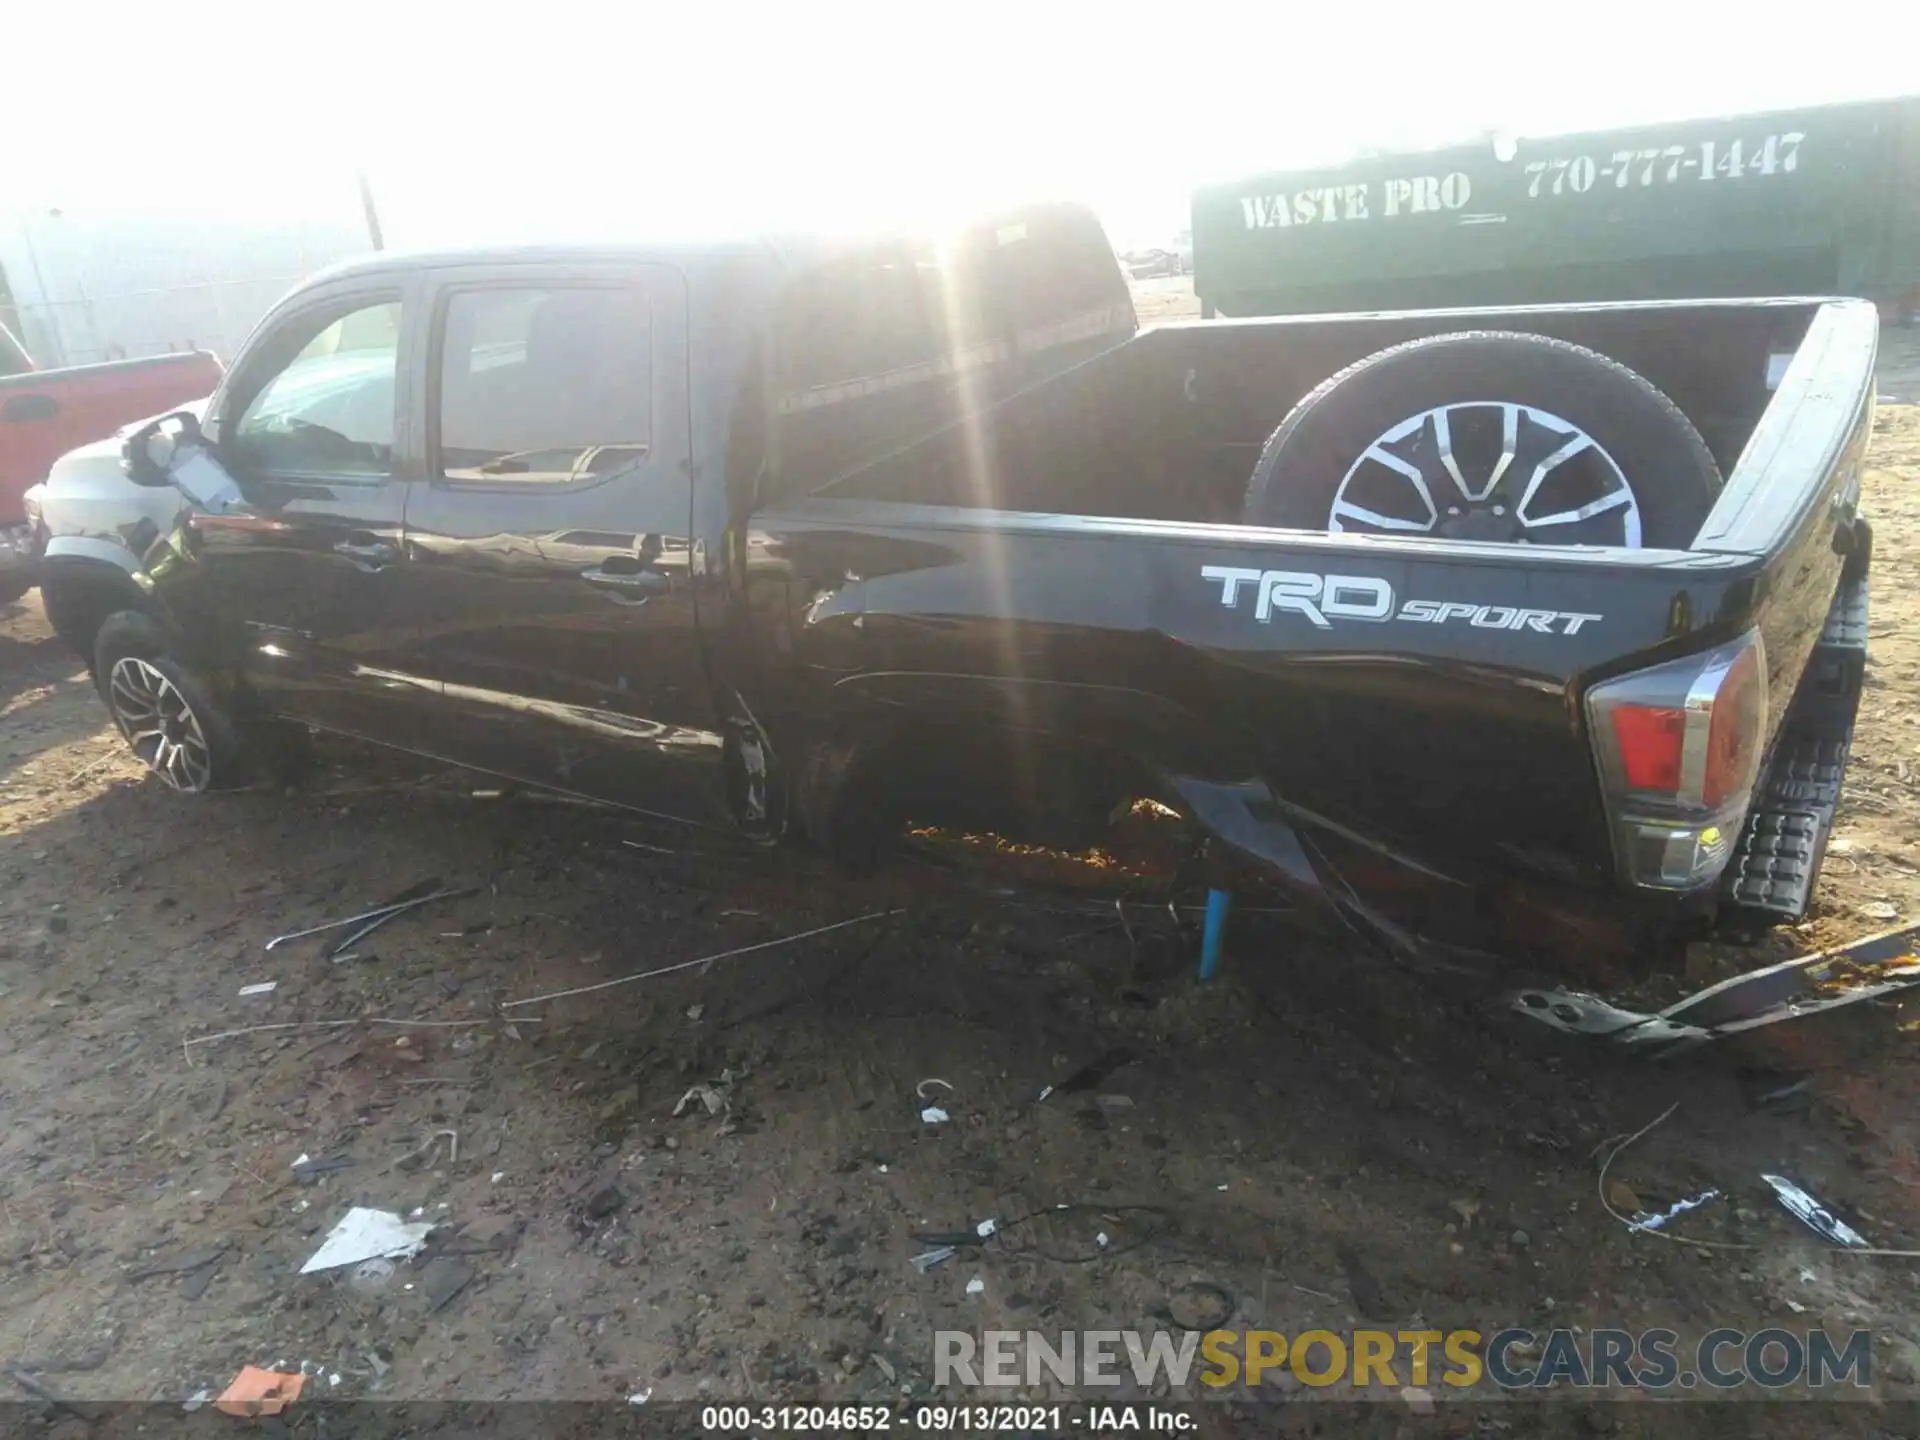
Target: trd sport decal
1326 598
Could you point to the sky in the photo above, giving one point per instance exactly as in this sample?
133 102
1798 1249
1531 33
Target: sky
484 122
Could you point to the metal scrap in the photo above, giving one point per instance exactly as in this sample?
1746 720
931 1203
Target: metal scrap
1845 975
1815 1216
365 1234
1089 1076
703 960
927 1259
1643 1220
713 1099
414 895
343 950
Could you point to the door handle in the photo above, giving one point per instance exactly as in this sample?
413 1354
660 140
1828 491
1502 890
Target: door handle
627 587
369 555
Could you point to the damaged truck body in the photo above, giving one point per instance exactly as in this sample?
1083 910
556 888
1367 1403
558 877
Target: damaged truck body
1538 631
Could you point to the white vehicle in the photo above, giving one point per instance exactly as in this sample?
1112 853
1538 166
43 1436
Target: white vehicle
94 525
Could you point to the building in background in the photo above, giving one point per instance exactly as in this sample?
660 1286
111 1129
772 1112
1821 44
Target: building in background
83 286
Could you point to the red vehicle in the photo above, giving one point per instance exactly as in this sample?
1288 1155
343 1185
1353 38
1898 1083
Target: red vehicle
45 413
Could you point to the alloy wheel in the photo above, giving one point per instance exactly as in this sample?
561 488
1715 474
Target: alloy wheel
160 725
1488 470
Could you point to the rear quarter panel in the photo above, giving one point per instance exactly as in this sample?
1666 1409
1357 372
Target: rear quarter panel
1457 737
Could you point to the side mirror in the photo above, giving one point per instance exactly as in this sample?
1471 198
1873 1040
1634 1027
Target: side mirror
171 451
149 452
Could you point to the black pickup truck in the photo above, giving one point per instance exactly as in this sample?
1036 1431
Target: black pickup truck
1524 629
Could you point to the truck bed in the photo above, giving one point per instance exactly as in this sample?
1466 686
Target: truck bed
1095 509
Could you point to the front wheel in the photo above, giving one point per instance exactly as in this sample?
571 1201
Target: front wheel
166 713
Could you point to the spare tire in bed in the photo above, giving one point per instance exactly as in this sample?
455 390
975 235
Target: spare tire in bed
1487 435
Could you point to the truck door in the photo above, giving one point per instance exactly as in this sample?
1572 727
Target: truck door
550 554
305 579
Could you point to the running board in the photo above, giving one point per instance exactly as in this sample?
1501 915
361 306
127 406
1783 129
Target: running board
1777 862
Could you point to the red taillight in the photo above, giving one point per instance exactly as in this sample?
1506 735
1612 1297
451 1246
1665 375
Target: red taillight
1679 750
1734 735
1651 740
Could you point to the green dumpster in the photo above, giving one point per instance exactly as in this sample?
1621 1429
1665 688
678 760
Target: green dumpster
1822 200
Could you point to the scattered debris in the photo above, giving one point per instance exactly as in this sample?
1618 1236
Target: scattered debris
33 1387
976 1286
1625 1197
311 1172
1466 1208
934 1115
703 960
884 1366
370 1277
256 1392
343 950
365 1234
178 1264
640 1397
413 895
1089 1076
1644 1221
1779 1094
1844 975
285 1025
1646 1224
927 1259
1815 1216
713 1099
920 1090
264 987
444 1278
415 1159
1880 910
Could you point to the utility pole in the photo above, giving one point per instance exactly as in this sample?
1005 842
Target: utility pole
373 215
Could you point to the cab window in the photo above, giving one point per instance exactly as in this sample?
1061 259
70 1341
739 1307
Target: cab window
544 385
329 410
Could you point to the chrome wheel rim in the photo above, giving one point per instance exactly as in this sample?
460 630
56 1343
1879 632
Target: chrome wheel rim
1488 470
159 724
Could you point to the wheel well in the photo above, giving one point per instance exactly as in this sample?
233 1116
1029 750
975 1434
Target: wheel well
80 594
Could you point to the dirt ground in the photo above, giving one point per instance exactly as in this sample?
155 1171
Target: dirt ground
1319 1140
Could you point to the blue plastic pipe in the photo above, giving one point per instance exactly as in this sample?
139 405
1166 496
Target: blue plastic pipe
1219 902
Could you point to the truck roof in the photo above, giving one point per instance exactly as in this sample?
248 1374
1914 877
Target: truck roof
774 251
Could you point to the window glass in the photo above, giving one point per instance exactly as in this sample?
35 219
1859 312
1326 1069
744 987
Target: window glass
330 412
545 385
